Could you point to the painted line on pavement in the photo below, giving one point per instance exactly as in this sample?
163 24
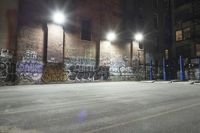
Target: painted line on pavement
143 118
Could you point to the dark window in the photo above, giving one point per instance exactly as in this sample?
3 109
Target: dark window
186 33
86 30
183 51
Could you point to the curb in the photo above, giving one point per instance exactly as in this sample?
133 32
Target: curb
163 82
147 81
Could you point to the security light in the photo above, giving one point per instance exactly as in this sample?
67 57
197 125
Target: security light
111 36
139 37
58 17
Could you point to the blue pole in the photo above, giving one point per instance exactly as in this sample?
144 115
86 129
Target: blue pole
164 70
181 69
199 68
151 71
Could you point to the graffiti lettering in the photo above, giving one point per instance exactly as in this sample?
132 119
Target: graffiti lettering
54 73
3 71
7 67
29 67
81 69
30 55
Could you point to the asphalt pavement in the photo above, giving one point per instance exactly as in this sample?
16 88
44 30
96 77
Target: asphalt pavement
111 107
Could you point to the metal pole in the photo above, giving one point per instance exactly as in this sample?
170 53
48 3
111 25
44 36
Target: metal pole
182 77
199 68
145 74
164 70
151 70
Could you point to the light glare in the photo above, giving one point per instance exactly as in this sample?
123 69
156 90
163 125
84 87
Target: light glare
111 36
139 37
59 17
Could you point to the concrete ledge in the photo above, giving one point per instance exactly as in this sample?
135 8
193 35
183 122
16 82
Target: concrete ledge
197 84
183 82
147 81
163 82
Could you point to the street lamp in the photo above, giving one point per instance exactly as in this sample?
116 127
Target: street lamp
58 17
139 37
111 36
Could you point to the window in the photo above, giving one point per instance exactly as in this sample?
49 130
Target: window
186 33
86 29
179 35
155 20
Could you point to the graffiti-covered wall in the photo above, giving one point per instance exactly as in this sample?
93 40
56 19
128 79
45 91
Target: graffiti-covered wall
117 56
80 60
54 69
7 67
8 28
38 51
30 50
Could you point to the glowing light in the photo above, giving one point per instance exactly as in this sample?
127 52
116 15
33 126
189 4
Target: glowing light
139 37
58 17
111 36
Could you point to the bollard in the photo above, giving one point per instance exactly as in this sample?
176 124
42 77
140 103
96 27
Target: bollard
151 71
182 73
164 70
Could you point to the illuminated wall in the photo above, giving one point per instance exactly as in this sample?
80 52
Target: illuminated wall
30 51
117 56
55 44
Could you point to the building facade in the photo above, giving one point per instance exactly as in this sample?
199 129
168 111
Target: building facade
186 29
153 19
77 51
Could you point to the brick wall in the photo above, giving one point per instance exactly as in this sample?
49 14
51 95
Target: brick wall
8 24
30 51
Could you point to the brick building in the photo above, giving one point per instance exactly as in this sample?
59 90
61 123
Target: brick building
76 51
186 29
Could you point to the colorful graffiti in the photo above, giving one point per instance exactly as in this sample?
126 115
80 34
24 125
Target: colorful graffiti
29 70
138 72
120 68
88 73
81 69
54 73
7 67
